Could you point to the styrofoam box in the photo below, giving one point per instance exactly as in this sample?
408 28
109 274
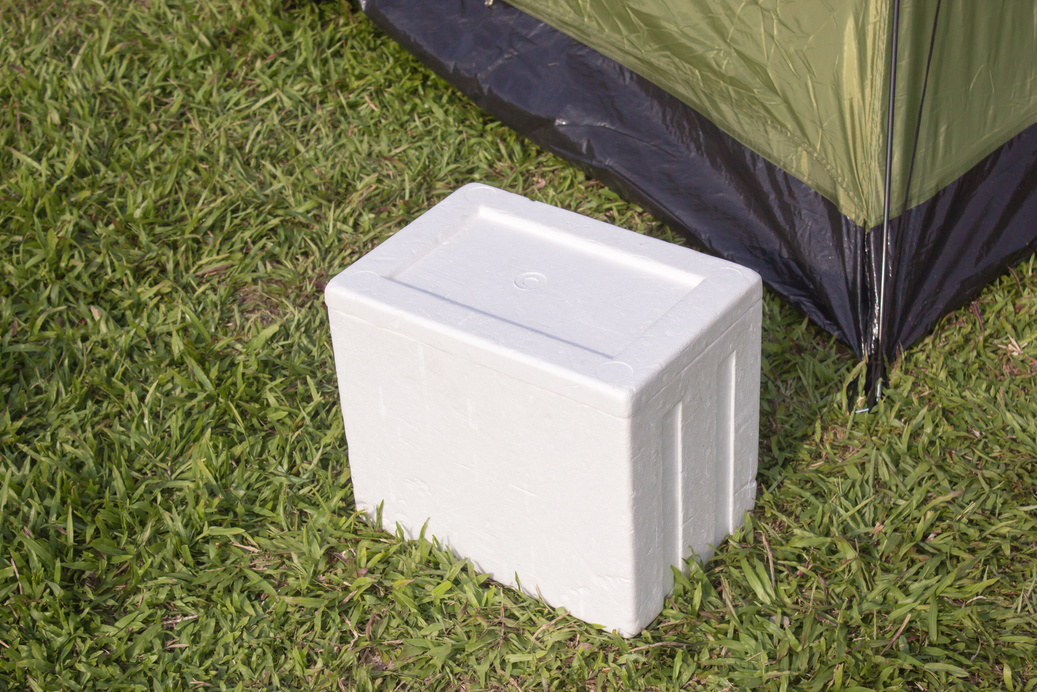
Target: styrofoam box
572 406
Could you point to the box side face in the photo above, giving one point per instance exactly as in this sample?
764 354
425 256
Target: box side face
696 449
525 482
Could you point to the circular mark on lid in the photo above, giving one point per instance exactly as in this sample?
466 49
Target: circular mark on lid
529 281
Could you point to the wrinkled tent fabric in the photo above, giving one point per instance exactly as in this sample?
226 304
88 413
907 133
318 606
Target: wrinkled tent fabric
738 175
805 83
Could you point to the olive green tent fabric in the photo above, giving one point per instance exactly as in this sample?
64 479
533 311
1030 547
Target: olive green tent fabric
804 82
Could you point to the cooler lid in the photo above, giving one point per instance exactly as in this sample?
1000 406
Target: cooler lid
578 306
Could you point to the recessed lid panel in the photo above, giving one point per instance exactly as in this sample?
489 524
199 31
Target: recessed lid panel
590 296
546 295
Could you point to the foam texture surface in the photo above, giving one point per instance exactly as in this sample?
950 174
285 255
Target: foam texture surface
572 406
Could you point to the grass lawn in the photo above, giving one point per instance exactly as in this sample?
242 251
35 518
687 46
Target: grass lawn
178 180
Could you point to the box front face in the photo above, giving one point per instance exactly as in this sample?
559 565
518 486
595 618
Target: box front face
524 482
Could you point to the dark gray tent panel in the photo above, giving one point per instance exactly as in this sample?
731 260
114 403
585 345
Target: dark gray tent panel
761 132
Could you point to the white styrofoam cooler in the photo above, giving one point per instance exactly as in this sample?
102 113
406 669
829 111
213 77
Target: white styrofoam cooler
571 405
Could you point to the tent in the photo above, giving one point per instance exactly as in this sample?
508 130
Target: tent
875 161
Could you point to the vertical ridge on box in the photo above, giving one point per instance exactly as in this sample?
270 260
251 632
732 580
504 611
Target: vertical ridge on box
671 491
552 397
725 447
